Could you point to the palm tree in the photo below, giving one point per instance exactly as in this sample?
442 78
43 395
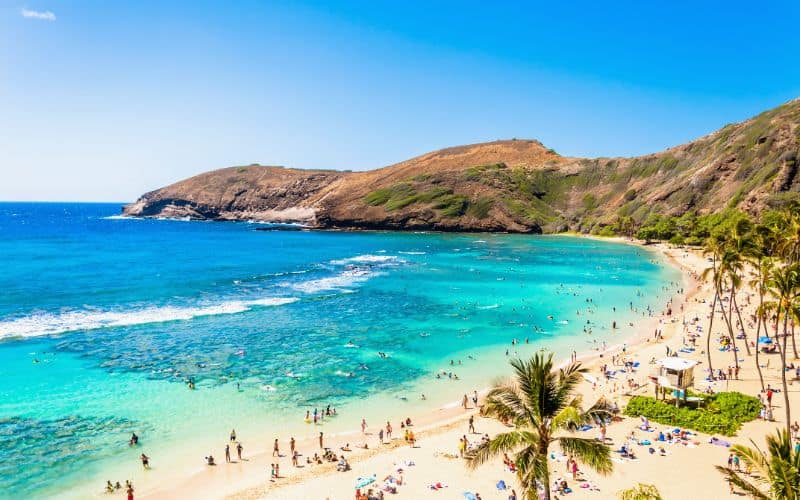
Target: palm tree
760 283
777 472
714 247
641 492
541 404
783 287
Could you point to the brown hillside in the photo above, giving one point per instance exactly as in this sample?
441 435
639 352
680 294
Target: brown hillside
516 185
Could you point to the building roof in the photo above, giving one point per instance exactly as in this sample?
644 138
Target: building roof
676 363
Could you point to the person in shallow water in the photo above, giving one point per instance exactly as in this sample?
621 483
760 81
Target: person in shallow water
134 440
145 461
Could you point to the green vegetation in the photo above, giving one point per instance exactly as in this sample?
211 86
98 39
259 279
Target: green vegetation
641 492
722 413
480 208
689 228
475 173
442 199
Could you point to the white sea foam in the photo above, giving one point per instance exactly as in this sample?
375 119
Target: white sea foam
90 319
367 259
412 253
338 282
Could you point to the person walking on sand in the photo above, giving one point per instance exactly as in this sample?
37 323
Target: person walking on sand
320 440
472 424
363 426
464 402
145 461
130 492
292 445
239 449
388 431
228 453
475 398
233 435
380 436
275 449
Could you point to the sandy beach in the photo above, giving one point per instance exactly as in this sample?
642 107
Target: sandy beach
434 459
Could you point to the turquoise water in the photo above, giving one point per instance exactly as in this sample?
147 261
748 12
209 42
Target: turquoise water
103 320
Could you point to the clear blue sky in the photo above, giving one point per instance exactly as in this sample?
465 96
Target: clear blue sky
104 100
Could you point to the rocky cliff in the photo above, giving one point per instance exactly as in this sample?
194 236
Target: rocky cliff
513 185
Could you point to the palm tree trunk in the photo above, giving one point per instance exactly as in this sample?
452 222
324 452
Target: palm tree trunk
543 451
783 376
708 337
794 345
739 317
730 332
758 335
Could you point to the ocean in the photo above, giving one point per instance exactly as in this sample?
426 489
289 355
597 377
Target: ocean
104 320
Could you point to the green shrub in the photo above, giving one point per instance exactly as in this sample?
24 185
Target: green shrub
723 413
480 208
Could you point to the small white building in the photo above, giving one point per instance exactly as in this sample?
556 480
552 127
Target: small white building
674 374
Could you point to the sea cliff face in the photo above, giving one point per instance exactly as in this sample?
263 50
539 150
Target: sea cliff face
514 186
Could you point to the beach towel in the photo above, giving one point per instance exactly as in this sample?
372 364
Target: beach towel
364 481
720 442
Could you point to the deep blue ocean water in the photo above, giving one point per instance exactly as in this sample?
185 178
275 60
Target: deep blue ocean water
103 320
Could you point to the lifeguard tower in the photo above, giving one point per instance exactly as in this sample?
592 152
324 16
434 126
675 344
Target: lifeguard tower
676 375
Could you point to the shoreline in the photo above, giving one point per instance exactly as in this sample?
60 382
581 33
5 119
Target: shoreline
245 483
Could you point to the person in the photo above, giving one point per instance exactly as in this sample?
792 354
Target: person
292 445
388 431
277 470
320 440
462 446
145 461
475 396
380 436
275 449
513 495
294 458
130 492
210 460
239 449
464 402
134 440
363 426
233 434
472 424
228 453
109 487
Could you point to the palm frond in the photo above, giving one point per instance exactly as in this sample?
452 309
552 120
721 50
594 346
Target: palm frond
742 483
593 453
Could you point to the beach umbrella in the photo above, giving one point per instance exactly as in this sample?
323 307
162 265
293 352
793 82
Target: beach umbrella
764 340
470 496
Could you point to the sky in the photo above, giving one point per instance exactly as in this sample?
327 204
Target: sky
103 101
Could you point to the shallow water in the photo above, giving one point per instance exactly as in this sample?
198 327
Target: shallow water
103 320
